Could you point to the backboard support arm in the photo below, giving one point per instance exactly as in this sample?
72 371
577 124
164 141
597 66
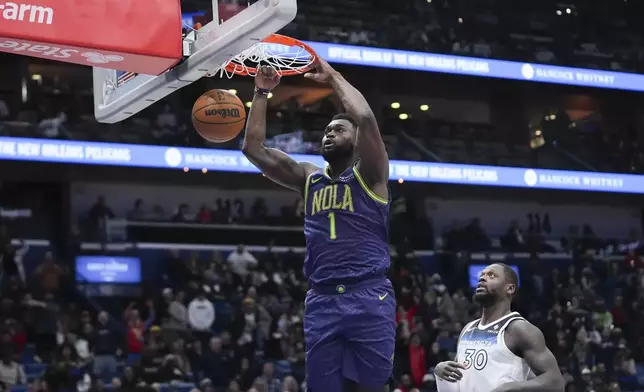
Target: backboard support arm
215 44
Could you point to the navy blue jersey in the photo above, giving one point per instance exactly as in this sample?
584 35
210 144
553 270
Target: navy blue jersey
346 229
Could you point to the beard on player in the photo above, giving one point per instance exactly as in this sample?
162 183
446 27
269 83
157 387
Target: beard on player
336 150
487 294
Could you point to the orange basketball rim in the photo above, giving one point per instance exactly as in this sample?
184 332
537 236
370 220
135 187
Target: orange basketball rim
288 56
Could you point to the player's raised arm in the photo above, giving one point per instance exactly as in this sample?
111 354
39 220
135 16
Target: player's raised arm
527 341
275 164
374 162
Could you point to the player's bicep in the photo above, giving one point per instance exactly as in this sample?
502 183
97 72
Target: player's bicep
373 153
532 346
280 168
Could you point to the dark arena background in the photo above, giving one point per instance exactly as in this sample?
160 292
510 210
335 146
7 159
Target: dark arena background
515 131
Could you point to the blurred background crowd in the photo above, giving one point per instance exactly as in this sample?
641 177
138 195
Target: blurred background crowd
228 317
159 280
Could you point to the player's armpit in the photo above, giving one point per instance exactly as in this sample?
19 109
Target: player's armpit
528 342
279 167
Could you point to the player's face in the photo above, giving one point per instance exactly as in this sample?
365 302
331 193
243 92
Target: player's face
492 286
339 140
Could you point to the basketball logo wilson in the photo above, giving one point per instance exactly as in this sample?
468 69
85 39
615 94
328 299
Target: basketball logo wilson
224 113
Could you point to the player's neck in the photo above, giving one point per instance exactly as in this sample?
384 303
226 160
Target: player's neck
338 167
494 312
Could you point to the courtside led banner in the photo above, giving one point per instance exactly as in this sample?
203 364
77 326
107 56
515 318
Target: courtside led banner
459 65
179 158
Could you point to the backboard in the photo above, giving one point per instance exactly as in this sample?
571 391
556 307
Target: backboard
121 94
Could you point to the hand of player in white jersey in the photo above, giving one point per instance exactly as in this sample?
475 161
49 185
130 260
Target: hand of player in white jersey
449 371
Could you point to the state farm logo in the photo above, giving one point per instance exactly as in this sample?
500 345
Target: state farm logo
57 53
99 58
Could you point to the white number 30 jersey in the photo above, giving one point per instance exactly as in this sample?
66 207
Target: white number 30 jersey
488 361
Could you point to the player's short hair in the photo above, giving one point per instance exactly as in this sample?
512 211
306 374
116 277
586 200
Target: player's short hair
345 116
511 276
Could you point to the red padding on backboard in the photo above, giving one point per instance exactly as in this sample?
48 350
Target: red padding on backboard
141 36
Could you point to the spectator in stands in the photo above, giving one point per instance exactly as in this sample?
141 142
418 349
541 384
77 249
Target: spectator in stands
177 312
106 346
237 212
201 313
11 372
513 239
15 338
46 314
206 386
474 232
194 270
436 355
268 379
245 377
136 328
151 362
212 274
137 213
128 380
172 370
217 365
241 260
233 386
290 384
259 211
81 346
49 273
406 384
183 214
205 214
63 372
97 218
178 350
417 360
4 111
18 256
176 273
8 263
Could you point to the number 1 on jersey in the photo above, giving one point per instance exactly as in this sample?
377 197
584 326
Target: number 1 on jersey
332 234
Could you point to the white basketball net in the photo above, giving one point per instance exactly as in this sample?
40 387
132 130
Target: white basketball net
277 56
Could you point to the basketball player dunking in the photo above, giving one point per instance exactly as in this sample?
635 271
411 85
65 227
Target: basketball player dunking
349 317
501 351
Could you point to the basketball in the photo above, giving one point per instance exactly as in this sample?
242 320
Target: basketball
218 116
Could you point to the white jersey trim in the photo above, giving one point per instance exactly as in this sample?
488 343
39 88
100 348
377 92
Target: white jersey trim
491 323
508 352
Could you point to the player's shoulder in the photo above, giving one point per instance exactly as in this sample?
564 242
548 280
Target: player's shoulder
521 334
309 168
521 326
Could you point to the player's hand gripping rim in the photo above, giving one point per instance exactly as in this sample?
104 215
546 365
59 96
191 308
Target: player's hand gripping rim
449 371
267 78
